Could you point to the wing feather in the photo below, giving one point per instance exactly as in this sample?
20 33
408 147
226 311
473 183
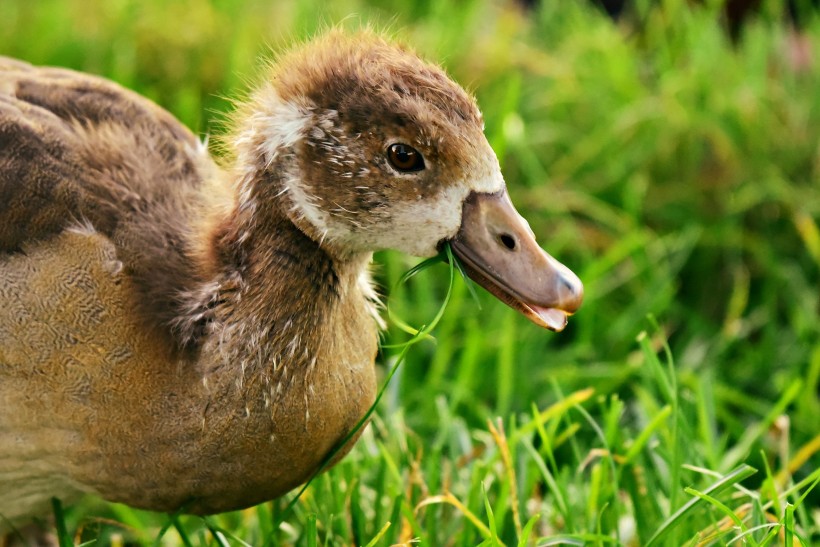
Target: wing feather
78 149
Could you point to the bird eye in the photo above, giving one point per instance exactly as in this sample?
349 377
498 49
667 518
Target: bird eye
405 158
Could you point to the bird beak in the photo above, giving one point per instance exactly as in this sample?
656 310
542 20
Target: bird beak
499 252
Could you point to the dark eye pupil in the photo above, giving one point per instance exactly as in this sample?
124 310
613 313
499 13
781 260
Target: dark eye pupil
403 155
405 158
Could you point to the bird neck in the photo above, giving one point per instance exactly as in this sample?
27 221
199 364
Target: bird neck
273 291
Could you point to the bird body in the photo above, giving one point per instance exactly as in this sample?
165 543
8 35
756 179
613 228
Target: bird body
110 403
177 334
154 430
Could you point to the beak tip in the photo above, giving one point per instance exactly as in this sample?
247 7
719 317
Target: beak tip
573 292
550 318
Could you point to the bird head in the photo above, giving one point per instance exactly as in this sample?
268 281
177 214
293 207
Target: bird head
369 147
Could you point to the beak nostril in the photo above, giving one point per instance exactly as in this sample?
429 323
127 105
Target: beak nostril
508 241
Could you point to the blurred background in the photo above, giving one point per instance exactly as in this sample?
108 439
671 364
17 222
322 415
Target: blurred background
667 151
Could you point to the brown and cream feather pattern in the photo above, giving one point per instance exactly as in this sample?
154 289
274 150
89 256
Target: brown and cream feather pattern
178 334
75 149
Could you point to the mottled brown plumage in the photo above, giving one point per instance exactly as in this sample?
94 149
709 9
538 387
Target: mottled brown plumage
176 334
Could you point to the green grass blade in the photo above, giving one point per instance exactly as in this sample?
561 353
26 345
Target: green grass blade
643 438
526 532
63 538
737 475
788 525
493 539
373 542
183 534
722 507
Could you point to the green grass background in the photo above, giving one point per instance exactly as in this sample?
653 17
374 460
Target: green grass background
677 174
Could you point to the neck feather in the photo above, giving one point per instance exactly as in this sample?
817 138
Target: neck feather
272 285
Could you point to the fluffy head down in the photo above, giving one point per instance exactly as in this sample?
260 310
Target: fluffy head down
320 129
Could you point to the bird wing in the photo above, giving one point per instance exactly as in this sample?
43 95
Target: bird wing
80 150
74 147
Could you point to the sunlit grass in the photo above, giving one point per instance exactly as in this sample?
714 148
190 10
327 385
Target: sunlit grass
676 173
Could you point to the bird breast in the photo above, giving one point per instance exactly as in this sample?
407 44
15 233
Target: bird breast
209 434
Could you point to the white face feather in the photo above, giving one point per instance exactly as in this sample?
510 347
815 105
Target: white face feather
417 226
274 127
407 221
305 206
281 124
